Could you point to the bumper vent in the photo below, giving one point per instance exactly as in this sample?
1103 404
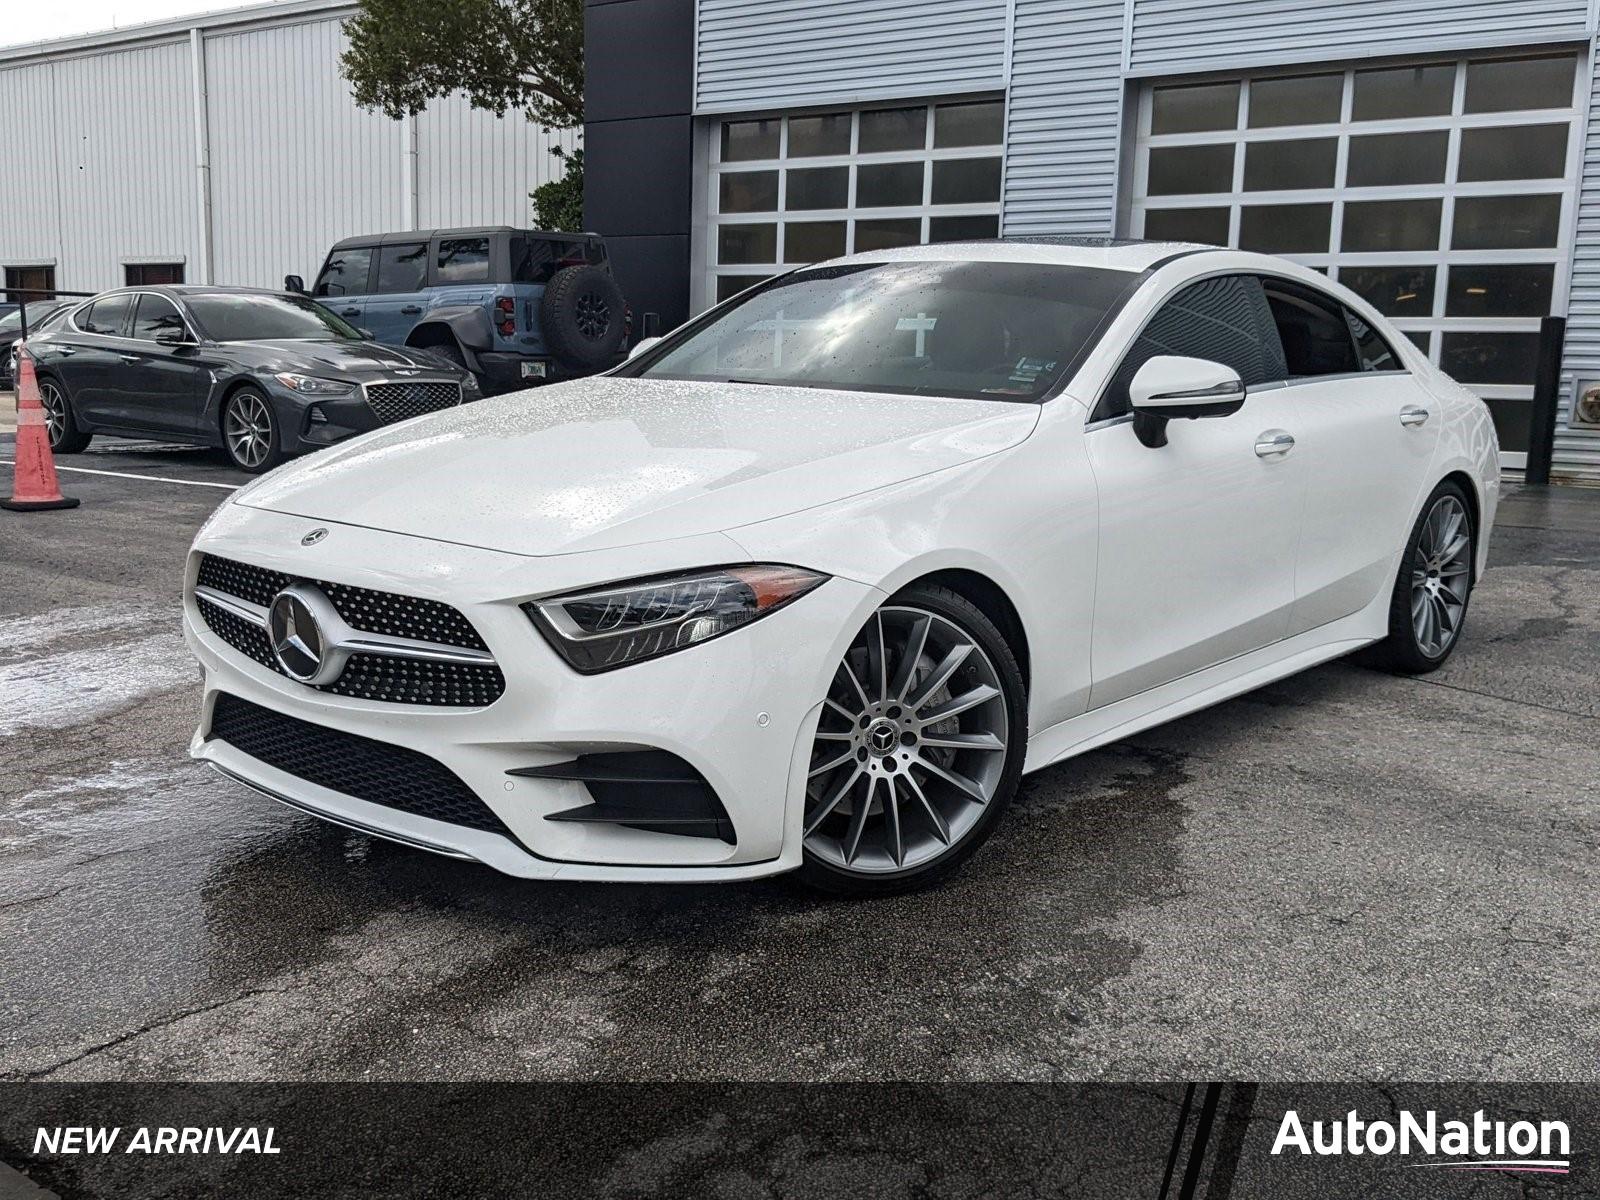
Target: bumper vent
399 401
641 789
381 677
369 770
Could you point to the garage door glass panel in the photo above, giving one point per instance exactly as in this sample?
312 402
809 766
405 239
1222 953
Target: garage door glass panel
889 129
1371 225
813 136
1516 290
889 185
1281 166
887 234
1196 108
750 191
1298 100
1506 85
810 241
747 244
1393 291
963 229
1394 93
1285 228
966 181
729 286
1506 222
816 187
1514 152
1501 358
1178 170
1510 423
745 141
1208 226
980 124
1395 159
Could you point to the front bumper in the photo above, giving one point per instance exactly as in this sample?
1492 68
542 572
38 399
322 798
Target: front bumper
740 709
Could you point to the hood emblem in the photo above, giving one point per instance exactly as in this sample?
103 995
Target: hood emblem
408 370
315 536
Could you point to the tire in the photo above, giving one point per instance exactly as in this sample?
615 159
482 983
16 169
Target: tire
1428 606
250 435
453 352
61 426
582 316
893 803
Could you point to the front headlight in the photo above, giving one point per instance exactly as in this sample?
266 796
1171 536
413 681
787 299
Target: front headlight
310 385
645 618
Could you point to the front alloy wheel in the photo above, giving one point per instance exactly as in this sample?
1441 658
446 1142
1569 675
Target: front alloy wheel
249 433
918 748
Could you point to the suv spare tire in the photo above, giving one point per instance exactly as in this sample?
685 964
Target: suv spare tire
582 317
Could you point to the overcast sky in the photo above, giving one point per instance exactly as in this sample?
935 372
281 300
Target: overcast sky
31 21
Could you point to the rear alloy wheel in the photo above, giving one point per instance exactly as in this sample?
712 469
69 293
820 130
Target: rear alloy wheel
62 430
1429 603
918 749
249 432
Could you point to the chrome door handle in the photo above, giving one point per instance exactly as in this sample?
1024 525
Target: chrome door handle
66 351
1413 415
131 357
1273 442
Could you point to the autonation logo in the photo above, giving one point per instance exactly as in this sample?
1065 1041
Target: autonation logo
1480 1144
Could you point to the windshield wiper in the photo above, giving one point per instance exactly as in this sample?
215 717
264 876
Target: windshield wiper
761 382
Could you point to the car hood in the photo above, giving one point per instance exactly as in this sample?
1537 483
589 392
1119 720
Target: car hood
603 462
332 355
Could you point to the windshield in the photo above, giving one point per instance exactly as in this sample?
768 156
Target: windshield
38 314
235 317
979 330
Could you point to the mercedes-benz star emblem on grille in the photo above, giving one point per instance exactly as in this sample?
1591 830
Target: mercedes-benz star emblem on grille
312 538
297 622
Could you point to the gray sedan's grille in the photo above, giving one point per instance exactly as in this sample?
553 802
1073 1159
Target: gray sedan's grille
398 401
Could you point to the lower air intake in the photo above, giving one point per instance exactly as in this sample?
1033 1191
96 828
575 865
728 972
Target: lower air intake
641 789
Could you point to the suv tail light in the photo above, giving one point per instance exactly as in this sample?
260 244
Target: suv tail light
507 319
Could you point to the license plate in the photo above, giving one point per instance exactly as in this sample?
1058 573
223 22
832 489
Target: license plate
533 370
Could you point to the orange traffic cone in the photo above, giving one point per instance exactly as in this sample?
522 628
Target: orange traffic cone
33 484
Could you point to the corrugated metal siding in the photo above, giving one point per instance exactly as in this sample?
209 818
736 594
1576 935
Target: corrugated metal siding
475 170
295 165
94 175
1062 133
1577 451
755 54
1188 35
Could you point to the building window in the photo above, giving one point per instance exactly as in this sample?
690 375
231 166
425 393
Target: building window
1443 193
790 190
30 284
151 274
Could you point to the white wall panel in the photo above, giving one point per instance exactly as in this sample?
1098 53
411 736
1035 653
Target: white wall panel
1189 35
474 169
30 201
757 54
1062 120
295 164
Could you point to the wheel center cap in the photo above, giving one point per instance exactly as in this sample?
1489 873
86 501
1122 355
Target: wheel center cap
883 735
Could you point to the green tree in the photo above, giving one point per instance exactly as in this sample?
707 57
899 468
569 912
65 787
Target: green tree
524 55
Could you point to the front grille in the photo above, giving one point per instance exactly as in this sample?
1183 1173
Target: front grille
398 401
382 677
369 770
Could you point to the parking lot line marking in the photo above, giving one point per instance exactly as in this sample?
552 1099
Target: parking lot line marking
228 487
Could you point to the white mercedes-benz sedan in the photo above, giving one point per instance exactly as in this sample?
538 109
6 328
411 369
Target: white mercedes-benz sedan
811 582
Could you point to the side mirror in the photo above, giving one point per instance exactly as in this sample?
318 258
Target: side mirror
641 346
367 335
293 283
1170 386
174 337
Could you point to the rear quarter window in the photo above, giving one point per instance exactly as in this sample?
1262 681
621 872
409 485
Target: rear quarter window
462 260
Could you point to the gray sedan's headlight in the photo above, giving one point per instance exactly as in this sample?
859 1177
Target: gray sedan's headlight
310 385
629 622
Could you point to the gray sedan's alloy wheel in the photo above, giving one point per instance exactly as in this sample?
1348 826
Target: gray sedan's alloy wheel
55 412
916 750
248 431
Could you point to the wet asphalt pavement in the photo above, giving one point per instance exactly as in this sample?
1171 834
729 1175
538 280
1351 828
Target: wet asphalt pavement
1344 876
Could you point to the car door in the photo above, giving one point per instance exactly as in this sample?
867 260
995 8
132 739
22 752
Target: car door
1366 432
345 282
1197 538
87 355
166 386
398 293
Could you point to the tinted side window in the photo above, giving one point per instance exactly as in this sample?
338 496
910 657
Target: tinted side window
156 315
107 316
1224 320
1371 349
1316 339
463 260
345 273
403 268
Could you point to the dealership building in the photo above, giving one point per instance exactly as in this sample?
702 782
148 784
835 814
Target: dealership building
1436 156
226 148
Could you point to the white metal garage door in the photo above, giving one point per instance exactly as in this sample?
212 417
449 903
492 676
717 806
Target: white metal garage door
792 189
1442 192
